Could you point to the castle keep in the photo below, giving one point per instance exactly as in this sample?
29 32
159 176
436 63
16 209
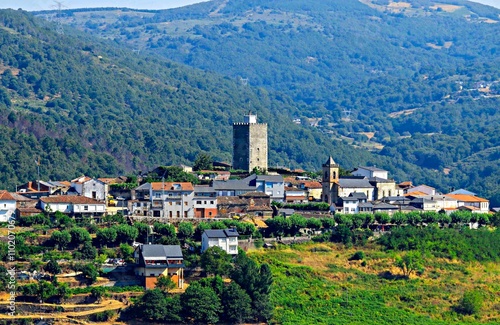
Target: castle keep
250 144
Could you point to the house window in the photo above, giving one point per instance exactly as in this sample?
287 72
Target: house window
178 214
185 214
86 207
170 203
198 202
211 202
210 213
157 195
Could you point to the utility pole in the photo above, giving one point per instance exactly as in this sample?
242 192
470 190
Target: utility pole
37 162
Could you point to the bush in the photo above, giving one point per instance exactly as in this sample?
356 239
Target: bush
359 255
470 304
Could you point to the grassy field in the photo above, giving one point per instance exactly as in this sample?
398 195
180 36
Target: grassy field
317 284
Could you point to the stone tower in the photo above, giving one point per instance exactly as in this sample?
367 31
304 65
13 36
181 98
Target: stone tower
330 179
250 144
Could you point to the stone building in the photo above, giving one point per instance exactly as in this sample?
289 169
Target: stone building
250 144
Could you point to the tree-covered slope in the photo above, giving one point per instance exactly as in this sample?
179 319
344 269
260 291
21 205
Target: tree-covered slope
417 81
86 106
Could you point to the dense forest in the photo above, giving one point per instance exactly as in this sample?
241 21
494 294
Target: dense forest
419 98
84 106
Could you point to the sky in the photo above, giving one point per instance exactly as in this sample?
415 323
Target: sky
34 5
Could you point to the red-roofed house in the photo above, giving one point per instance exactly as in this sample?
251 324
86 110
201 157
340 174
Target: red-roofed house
473 203
73 205
7 206
172 200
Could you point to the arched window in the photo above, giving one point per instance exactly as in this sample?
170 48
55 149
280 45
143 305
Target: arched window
334 175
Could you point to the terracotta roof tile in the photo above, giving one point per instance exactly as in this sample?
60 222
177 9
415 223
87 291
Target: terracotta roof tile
170 186
69 199
6 196
466 198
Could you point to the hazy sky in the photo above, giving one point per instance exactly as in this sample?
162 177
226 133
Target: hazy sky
33 5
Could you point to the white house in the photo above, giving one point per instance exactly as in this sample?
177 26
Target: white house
73 205
7 206
204 202
89 187
472 203
227 239
172 199
370 172
427 190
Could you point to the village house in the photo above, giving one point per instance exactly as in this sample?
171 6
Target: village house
295 195
73 205
152 261
313 189
25 206
427 190
471 203
204 202
7 206
272 185
226 239
89 187
172 199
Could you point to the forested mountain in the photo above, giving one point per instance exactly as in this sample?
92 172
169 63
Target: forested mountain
87 106
417 82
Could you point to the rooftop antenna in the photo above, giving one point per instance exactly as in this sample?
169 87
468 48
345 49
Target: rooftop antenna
244 81
37 162
59 27
347 113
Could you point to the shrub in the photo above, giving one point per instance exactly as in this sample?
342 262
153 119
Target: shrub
359 255
470 304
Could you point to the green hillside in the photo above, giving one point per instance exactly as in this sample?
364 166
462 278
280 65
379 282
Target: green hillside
417 82
87 106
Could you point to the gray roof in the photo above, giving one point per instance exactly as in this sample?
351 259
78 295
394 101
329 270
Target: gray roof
161 251
145 186
203 189
221 233
373 169
365 205
354 183
233 185
385 206
271 178
463 191
358 195
381 180
350 199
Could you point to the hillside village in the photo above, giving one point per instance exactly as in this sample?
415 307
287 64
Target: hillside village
229 192
133 233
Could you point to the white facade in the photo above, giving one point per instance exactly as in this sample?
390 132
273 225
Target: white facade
91 188
7 209
370 172
226 239
72 205
172 200
422 188
350 207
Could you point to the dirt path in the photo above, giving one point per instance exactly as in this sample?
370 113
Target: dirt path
97 308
